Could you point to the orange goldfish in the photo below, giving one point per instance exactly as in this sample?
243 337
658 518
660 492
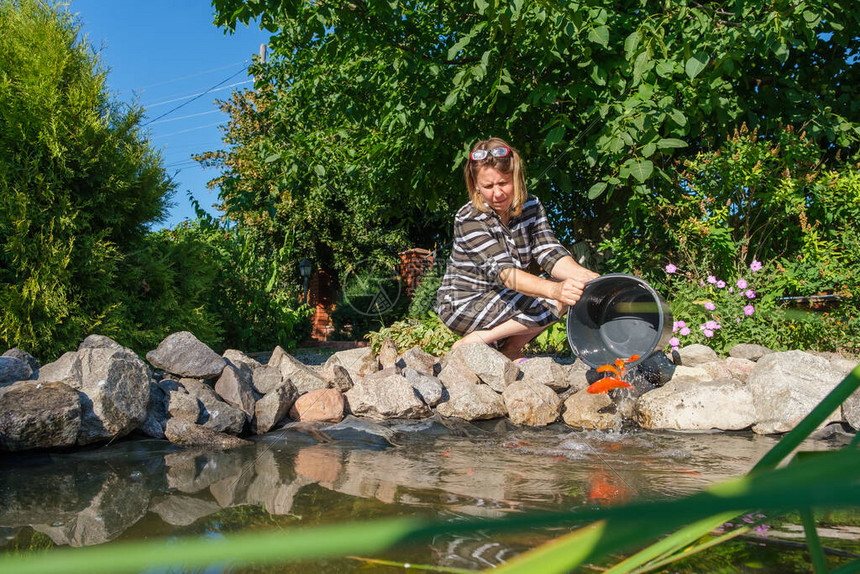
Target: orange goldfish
606 384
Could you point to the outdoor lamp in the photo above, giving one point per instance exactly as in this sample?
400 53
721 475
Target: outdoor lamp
305 268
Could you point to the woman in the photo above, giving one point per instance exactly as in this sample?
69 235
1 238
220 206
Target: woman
487 294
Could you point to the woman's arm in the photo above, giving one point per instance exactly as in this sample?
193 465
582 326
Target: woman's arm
568 268
567 291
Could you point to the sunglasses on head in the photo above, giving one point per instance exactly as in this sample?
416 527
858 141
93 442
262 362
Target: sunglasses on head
480 154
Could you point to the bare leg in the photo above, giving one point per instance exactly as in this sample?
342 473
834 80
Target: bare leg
516 333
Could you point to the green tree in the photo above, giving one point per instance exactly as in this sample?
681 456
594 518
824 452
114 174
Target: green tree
374 102
79 184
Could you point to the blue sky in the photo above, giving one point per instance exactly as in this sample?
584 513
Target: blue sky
164 53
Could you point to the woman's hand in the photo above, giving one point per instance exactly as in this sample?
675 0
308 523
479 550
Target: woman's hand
568 291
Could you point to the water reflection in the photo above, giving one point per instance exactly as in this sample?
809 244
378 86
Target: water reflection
151 489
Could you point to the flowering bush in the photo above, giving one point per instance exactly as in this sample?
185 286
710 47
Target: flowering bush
747 308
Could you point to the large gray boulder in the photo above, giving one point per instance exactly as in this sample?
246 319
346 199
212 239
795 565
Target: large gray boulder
749 351
428 387
273 408
114 385
13 370
360 362
545 371
471 401
16 353
420 360
215 414
302 377
185 355
492 367
786 386
390 397
531 404
591 411
687 404
241 361
38 415
694 355
234 387
387 354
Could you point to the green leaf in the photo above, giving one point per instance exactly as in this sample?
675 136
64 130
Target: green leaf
555 135
596 190
678 117
319 170
696 64
599 35
631 43
782 51
671 143
428 132
665 68
648 150
273 157
642 169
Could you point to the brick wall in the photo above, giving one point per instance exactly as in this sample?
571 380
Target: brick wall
413 264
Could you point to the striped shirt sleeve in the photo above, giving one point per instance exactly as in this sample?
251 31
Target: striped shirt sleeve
544 246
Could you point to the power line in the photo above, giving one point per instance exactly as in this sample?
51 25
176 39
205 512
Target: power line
186 117
185 131
195 98
192 75
165 102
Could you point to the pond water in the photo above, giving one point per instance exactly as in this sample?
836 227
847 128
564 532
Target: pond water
357 470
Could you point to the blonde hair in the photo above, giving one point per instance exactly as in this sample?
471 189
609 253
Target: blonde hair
510 164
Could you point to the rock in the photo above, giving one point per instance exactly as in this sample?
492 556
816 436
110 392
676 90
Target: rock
716 369
184 355
577 376
544 371
739 368
156 412
391 397
428 387
382 374
359 362
216 414
339 378
182 405
684 404
455 370
241 361
696 354
419 360
356 430
115 384
273 407
786 386
851 410
584 410
691 373
302 377
235 389
843 366
101 342
657 369
471 401
266 379
38 415
320 405
492 367
13 370
531 404
388 354
65 370
31 361
748 351
185 433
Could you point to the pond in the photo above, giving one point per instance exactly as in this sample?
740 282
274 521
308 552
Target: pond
356 470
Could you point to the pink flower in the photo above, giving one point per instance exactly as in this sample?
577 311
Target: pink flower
731 289
678 325
742 284
721 284
749 310
671 268
684 331
708 333
755 265
675 341
710 306
750 294
712 279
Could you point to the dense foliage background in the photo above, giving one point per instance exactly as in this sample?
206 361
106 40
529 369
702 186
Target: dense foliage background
706 135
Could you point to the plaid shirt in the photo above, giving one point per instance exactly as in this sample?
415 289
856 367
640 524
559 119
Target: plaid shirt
472 295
